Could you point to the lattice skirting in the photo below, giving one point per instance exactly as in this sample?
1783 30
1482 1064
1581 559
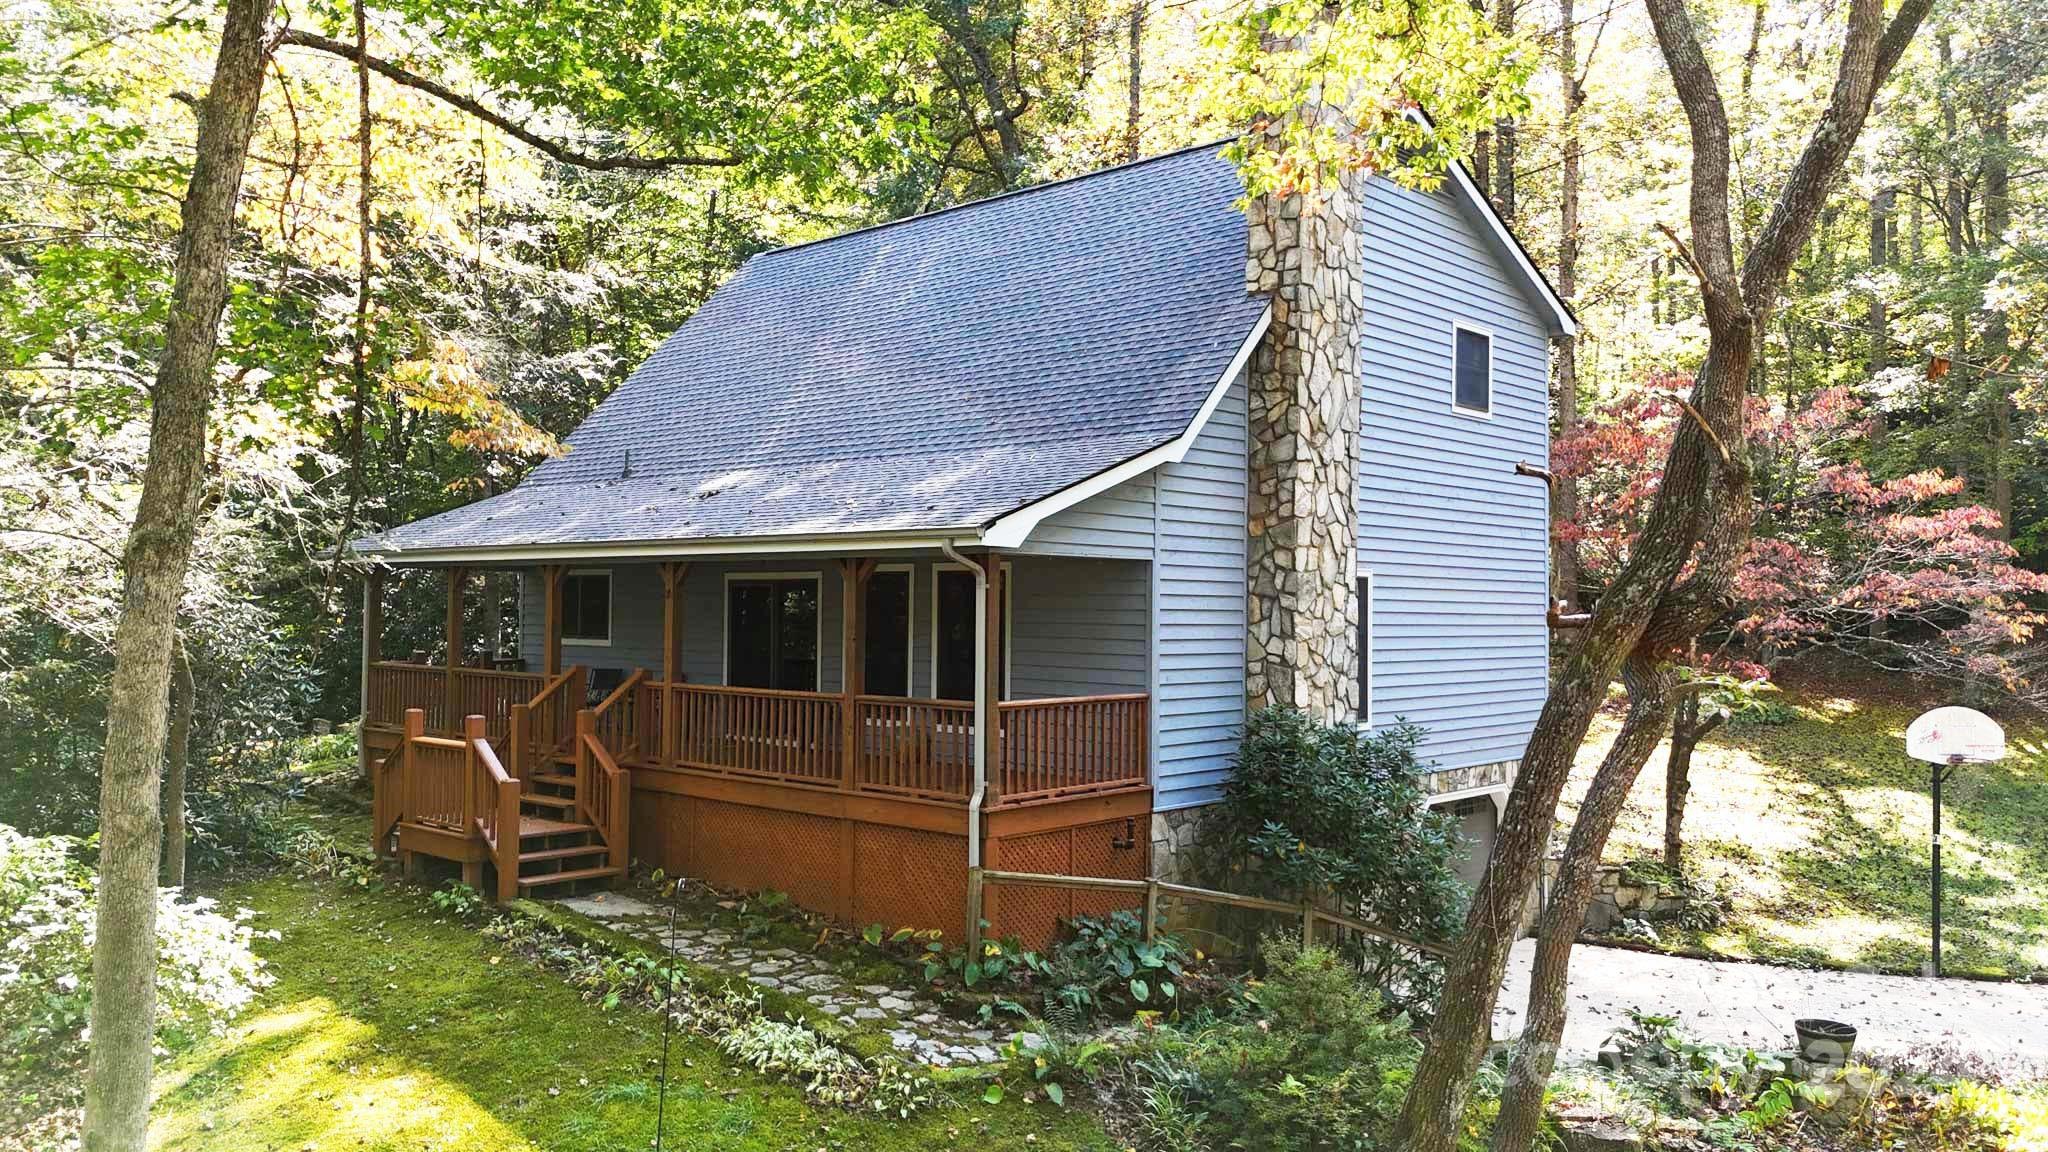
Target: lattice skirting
858 867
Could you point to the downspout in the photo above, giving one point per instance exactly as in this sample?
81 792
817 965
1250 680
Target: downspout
983 714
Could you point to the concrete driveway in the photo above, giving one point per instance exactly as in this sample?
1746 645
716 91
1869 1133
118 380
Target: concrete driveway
1755 1004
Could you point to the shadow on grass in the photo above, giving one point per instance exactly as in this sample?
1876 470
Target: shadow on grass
391 1029
1865 865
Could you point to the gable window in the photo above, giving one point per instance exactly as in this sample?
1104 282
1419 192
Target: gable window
1471 371
886 666
587 608
771 632
953 635
1365 614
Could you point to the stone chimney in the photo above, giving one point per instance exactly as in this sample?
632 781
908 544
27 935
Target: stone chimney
1304 254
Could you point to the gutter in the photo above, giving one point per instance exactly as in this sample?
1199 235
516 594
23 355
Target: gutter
984 715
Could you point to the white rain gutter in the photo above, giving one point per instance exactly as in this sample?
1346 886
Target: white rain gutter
983 714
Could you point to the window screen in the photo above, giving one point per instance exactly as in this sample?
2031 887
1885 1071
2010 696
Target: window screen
1473 389
587 607
887 662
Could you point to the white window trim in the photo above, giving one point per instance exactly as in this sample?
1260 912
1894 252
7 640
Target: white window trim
725 622
1009 620
1485 413
909 632
611 587
1368 623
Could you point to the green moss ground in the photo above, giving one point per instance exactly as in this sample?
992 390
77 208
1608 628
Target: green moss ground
390 1028
1817 830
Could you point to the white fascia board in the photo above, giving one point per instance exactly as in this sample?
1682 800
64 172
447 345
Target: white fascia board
1566 325
1012 530
664 550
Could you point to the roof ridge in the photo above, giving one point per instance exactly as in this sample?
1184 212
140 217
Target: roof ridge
1012 194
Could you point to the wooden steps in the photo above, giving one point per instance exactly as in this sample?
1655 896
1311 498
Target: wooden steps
571 876
546 801
592 849
542 826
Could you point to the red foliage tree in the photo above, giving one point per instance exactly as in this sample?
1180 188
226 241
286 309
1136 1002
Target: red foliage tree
1894 570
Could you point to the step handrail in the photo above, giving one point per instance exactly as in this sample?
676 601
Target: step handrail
603 789
622 729
525 734
495 800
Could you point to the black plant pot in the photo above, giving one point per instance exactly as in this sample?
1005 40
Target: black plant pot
1825 1042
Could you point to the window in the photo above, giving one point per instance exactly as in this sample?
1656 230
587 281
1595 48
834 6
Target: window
953 635
1472 369
587 608
1365 648
886 617
771 632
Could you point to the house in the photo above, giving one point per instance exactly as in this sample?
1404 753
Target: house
969 539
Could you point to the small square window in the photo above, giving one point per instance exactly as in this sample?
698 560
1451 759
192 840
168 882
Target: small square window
587 608
1472 370
1365 648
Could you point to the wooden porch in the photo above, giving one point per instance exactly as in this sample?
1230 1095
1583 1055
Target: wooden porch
854 803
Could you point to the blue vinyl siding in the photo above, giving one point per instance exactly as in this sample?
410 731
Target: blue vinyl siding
1455 540
1115 523
1199 623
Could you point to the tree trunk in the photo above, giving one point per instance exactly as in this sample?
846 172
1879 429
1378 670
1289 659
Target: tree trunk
158 550
1134 114
1997 382
1687 730
1704 498
1650 690
177 761
1564 565
1504 131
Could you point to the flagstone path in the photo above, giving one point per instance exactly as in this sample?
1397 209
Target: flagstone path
915 1025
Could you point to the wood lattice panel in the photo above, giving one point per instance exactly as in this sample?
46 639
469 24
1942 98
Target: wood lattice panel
905 878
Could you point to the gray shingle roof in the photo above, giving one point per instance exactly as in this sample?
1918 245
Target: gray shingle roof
934 373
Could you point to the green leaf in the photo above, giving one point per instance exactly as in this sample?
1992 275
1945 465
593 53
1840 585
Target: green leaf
993 1094
1166 989
1139 991
872 933
1056 1094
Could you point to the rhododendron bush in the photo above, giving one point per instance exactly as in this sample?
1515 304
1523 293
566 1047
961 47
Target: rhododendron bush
206 971
1896 569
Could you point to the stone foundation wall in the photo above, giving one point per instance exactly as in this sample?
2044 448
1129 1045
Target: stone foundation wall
1173 842
1499 774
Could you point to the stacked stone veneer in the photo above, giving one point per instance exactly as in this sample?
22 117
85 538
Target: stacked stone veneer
1305 255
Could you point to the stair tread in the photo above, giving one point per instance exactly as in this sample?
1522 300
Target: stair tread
569 876
552 778
560 853
542 826
550 801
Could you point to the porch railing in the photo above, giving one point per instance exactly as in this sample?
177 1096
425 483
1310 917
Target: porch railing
454 784
914 747
1069 745
446 697
778 735
894 745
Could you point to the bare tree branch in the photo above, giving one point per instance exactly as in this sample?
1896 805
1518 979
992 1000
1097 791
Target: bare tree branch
553 149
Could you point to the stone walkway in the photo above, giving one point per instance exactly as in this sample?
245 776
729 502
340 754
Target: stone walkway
915 1025
1755 1004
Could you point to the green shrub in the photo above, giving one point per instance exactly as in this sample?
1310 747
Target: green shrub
1316 1063
1326 810
206 971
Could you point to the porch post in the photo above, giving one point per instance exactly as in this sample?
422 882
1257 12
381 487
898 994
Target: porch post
981 902
674 581
551 619
373 644
457 576
852 661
